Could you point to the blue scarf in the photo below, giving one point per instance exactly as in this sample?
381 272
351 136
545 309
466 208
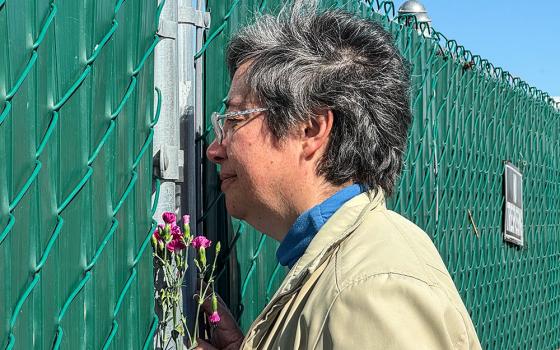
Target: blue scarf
309 223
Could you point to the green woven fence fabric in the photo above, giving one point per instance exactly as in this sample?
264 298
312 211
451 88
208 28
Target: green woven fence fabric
469 118
76 112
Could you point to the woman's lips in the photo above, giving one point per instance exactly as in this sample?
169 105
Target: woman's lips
226 181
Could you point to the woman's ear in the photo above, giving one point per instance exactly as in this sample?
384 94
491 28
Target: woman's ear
316 132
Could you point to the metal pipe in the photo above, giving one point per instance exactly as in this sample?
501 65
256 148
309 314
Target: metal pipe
186 37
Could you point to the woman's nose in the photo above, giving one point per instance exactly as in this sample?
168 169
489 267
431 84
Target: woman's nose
216 152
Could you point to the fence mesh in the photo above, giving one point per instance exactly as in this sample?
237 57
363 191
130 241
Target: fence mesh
469 118
76 128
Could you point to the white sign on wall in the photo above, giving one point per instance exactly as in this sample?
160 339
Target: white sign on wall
513 218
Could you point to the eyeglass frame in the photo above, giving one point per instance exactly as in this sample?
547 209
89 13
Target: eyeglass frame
219 127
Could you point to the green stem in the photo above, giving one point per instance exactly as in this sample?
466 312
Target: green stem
200 298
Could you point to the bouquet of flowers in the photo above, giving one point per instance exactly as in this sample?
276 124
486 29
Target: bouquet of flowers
170 249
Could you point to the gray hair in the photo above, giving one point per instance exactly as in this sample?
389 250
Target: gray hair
309 61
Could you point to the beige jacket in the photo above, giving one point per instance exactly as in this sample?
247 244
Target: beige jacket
370 279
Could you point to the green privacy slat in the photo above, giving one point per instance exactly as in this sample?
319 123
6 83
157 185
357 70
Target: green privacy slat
102 142
58 339
26 186
118 6
150 337
99 47
144 244
156 197
23 75
117 308
32 59
145 146
22 300
76 189
218 30
106 239
5 112
72 88
127 191
469 117
263 5
39 76
18 307
123 292
48 133
146 55
158 12
43 31
126 96
253 265
111 335
270 283
50 244
6 230
11 342
72 295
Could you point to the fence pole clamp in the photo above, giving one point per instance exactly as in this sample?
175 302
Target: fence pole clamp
167 163
189 15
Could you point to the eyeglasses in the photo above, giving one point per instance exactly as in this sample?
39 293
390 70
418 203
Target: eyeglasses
222 123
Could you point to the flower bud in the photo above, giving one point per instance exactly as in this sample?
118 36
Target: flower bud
161 246
218 247
214 302
202 256
167 233
186 231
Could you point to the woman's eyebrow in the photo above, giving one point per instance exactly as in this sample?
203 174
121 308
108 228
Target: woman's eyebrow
230 104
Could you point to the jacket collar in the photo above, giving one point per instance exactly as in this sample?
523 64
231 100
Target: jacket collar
336 229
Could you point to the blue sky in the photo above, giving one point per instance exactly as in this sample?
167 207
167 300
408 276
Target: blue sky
523 37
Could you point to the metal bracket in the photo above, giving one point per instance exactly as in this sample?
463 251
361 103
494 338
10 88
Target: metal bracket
189 15
167 163
167 29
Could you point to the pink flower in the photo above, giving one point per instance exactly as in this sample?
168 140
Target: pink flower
176 244
186 219
169 217
201 242
176 231
158 231
214 317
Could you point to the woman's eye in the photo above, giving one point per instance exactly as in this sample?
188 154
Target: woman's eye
231 122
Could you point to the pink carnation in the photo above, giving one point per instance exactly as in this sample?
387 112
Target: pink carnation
214 317
176 231
169 217
176 244
201 242
157 231
186 219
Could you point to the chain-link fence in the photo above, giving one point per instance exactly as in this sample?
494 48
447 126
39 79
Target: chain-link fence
469 119
76 128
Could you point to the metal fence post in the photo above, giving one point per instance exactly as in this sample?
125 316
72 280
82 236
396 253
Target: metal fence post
192 22
177 146
166 133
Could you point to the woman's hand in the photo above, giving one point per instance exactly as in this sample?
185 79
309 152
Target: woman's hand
226 335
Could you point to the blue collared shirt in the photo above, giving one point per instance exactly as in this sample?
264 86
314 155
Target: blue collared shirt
310 222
